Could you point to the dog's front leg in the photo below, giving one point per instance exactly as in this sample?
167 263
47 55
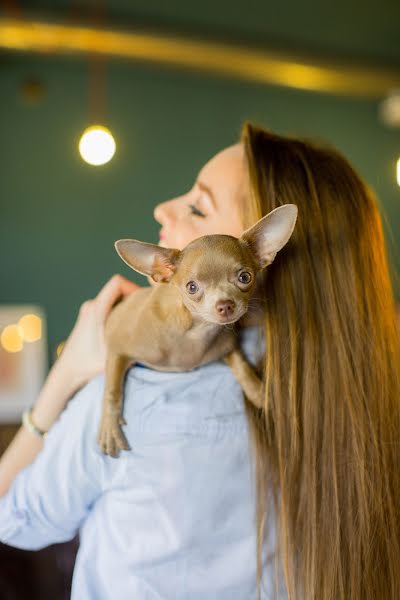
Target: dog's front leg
111 438
245 375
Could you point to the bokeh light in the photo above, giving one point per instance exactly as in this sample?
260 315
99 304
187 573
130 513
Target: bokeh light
11 338
97 145
31 326
398 171
60 348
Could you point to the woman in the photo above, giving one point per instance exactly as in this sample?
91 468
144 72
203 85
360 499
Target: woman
325 447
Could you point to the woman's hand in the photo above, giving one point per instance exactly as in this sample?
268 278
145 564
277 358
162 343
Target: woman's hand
83 357
84 353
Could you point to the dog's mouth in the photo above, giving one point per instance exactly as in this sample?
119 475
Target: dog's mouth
219 319
227 319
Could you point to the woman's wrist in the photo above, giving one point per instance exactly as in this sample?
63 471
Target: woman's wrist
26 445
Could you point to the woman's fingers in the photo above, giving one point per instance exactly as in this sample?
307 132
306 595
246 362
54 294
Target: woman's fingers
84 352
85 305
115 287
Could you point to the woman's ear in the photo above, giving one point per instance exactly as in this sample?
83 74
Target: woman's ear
149 259
270 233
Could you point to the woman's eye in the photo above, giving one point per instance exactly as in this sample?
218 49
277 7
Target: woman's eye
194 210
192 287
245 277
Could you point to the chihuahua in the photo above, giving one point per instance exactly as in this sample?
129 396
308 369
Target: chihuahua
181 325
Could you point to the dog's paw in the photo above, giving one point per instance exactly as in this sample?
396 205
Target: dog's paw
111 438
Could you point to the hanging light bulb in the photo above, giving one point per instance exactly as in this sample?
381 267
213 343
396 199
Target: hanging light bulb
97 145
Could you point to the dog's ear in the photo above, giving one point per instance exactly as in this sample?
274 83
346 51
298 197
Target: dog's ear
149 259
270 233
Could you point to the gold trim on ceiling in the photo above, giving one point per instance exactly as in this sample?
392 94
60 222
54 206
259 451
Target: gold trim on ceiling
262 66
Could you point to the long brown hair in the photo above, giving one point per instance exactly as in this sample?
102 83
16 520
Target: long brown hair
326 445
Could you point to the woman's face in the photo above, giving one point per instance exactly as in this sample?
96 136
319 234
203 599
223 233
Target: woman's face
211 206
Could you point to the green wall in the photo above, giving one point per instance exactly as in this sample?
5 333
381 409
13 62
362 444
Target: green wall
60 217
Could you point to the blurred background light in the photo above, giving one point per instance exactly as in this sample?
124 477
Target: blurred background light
389 109
11 338
60 348
97 145
31 327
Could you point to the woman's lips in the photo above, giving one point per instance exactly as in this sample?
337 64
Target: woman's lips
162 235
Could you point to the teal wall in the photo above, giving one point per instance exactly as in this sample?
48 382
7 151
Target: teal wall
59 217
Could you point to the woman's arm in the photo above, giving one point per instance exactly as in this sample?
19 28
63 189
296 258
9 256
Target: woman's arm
82 358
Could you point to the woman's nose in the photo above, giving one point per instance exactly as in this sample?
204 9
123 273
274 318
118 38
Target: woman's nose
164 213
161 214
157 213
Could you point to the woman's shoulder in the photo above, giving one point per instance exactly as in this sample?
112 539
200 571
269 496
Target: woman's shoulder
202 399
157 398
207 400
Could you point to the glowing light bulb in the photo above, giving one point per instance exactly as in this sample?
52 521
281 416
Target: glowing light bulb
31 327
97 145
11 338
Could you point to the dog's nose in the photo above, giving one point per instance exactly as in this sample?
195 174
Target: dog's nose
225 307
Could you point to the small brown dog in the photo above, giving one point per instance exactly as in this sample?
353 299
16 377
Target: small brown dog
182 325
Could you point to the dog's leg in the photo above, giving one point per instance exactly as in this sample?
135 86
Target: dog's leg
111 438
244 373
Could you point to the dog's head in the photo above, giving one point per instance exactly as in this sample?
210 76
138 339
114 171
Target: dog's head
216 274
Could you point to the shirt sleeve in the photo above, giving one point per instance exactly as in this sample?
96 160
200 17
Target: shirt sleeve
50 498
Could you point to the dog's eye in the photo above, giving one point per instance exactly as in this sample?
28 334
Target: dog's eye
192 287
245 277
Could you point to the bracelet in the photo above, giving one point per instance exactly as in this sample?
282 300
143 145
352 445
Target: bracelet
29 424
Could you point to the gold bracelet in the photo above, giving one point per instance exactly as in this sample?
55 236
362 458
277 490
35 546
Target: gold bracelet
29 424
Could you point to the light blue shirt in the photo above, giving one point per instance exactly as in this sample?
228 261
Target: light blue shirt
172 519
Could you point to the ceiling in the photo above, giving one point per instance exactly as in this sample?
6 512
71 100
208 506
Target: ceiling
362 30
